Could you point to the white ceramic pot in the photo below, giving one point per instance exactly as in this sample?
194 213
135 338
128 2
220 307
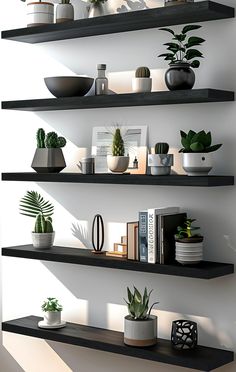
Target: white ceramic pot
52 317
160 164
40 13
64 13
43 240
118 164
140 333
141 85
197 164
189 253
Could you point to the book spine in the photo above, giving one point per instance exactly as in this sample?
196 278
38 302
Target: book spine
152 236
143 236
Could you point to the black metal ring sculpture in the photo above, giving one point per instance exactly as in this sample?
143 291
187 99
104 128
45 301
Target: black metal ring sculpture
98 233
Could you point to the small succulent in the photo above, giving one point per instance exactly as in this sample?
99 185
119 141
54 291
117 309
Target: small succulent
187 230
142 72
43 224
197 142
161 148
138 305
51 304
118 148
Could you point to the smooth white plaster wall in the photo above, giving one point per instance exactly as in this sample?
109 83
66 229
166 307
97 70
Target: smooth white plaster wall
94 295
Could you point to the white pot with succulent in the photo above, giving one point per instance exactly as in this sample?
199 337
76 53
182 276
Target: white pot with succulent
142 82
118 162
64 11
160 162
52 314
39 13
140 327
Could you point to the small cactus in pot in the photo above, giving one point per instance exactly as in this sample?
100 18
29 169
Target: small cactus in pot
160 162
118 162
142 82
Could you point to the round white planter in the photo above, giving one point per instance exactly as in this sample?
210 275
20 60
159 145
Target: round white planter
189 253
160 164
197 164
141 85
52 317
118 164
140 333
40 13
43 240
64 13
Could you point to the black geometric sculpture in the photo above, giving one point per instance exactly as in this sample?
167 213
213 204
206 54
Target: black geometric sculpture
184 334
98 234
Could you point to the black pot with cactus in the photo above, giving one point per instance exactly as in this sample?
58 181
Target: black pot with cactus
142 82
118 162
161 162
48 157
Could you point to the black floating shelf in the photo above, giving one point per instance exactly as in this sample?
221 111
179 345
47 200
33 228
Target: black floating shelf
78 256
202 358
131 21
122 100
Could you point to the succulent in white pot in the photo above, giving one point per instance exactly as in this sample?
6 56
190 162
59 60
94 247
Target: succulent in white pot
160 162
64 11
142 82
197 149
39 13
118 162
140 327
52 311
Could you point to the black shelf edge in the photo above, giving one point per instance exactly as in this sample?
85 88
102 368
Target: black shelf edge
202 358
78 256
123 22
121 179
122 100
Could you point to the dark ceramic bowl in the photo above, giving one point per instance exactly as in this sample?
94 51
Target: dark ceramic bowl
69 86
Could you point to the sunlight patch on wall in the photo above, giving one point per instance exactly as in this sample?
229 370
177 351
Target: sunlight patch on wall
115 316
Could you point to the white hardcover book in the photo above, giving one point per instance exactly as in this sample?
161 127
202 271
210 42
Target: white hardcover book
153 213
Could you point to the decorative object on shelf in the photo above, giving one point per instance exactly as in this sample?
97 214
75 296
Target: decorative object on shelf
98 234
182 57
64 11
142 82
101 82
96 8
160 162
52 314
184 334
177 2
120 249
188 245
34 205
140 327
69 86
118 162
135 163
48 157
87 165
39 13
197 149
132 229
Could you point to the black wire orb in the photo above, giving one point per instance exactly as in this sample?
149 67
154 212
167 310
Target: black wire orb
184 335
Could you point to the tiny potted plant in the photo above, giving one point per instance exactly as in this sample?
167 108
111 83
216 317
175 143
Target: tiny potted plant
182 55
161 161
142 82
39 13
188 244
197 149
118 162
52 314
96 8
34 205
48 157
140 327
64 11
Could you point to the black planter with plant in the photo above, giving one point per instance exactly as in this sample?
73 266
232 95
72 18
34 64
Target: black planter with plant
182 55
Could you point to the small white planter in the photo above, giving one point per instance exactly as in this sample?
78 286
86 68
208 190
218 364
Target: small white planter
118 164
197 164
43 240
160 164
40 13
141 85
52 318
140 333
189 253
64 13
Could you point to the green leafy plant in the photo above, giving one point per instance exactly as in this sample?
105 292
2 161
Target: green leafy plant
138 305
181 48
187 230
51 304
161 148
142 72
118 148
197 142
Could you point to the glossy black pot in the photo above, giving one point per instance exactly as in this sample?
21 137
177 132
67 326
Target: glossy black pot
180 76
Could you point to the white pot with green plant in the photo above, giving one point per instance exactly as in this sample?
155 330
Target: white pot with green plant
197 150
142 83
160 162
52 314
97 8
140 327
118 162
39 13
64 11
35 206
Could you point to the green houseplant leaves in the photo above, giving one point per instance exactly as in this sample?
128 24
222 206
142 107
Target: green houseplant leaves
197 142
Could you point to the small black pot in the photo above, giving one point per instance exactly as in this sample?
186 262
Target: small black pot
179 76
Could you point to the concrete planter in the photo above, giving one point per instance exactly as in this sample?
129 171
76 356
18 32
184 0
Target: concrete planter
48 160
43 240
189 251
52 318
141 85
64 13
197 164
118 164
40 13
140 333
160 164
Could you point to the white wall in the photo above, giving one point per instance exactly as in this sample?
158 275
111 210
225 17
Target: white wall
95 295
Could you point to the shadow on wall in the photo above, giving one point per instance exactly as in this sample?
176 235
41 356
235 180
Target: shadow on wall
132 6
8 363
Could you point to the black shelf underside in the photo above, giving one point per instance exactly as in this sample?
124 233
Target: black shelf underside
131 21
78 256
202 358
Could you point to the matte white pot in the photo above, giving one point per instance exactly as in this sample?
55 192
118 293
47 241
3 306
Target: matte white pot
118 164
189 253
64 13
160 164
43 240
197 164
40 13
140 333
52 317
141 85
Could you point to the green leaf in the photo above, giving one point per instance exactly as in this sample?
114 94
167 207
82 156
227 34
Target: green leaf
185 143
197 147
193 41
195 64
193 53
130 296
33 203
213 148
167 30
137 295
183 134
174 45
190 28
190 135
166 55
180 37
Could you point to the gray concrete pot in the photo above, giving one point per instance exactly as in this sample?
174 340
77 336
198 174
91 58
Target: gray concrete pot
118 164
48 160
197 164
140 333
43 240
189 251
160 164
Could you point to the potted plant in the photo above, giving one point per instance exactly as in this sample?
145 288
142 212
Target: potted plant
48 157
39 13
140 327
161 161
197 149
34 205
182 55
96 8
142 82
64 11
118 162
52 314
188 244
177 2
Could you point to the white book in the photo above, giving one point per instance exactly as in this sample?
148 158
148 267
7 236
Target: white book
153 214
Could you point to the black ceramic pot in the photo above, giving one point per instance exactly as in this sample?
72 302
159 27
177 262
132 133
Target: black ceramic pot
180 76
